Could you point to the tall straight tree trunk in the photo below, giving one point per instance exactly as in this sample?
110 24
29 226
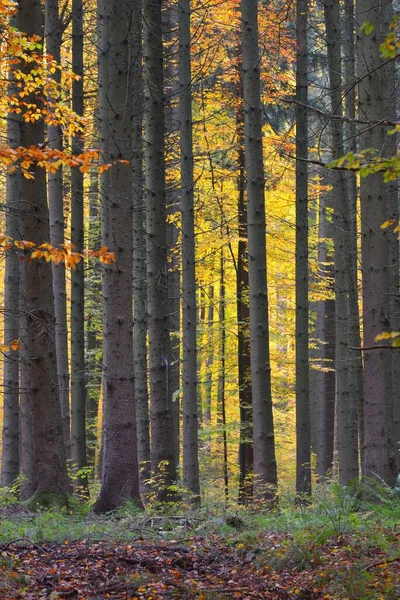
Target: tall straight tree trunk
242 294
221 392
53 34
120 478
303 438
356 362
209 359
265 473
378 406
38 306
78 407
189 307
345 381
163 459
393 210
139 261
172 127
27 449
93 343
10 462
103 29
325 336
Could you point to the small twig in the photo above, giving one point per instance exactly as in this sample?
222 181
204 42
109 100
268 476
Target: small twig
378 347
211 590
382 562
29 542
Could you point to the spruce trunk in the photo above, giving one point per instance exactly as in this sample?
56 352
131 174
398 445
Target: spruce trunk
189 306
265 473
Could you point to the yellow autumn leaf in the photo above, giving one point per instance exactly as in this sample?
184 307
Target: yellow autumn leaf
387 223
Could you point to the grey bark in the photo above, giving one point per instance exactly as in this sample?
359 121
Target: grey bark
390 149
242 307
78 406
93 343
120 478
163 459
221 389
210 358
53 35
303 438
10 435
38 306
139 262
325 359
189 305
265 473
378 408
345 382
356 362
103 28
27 449
172 126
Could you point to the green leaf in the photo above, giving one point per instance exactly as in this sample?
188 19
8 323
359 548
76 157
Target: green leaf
367 28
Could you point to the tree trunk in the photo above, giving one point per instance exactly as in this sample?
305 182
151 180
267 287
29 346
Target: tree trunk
242 307
189 306
120 479
209 359
345 382
221 395
139 264
356 362
163 459
78 406
27 449
53 34
393 209
265 473
172 126
50 466
11 436
93 343
378 408
303 440
103 29
325 338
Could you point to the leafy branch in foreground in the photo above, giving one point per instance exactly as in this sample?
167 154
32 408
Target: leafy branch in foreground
65 253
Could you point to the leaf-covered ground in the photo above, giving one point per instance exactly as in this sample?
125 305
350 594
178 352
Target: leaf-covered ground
208 567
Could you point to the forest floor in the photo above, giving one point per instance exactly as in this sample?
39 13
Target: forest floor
324 552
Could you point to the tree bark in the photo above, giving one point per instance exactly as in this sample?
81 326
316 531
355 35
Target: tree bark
221 393
242 307
78 406
38 306
103 29
265 473
303 438
210 359
172 126
93 368
325 338
189 305
139 263
345 381
10 462
378 408
163 459
53 35
356 364
120 480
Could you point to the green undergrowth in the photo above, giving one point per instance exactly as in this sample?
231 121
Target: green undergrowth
370 512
